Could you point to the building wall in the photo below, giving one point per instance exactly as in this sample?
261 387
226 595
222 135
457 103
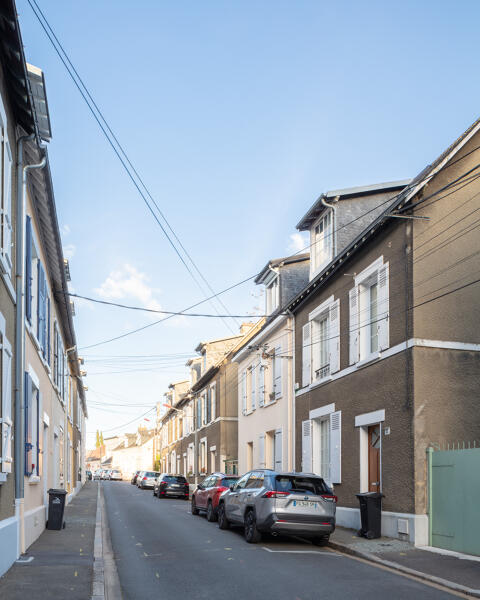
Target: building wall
274 415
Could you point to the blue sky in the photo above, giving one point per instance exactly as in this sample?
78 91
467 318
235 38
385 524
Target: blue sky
237 115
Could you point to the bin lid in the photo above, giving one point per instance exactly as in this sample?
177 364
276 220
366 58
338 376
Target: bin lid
370 495
57 492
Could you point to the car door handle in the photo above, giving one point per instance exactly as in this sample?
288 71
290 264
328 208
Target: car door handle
249 494
235 495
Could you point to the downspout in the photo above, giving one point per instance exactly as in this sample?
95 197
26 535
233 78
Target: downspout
19 448
291 425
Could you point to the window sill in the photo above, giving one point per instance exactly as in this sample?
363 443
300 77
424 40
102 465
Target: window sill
320 382
3 478
33 479
368 359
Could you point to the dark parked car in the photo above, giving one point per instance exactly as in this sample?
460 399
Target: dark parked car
280 503
89 474
206 496
133 480
171 486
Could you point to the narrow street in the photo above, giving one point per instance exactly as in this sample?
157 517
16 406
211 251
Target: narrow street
161 548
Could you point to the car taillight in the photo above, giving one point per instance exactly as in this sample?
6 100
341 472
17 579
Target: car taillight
274 494
144 479
186 485
221 489
330 498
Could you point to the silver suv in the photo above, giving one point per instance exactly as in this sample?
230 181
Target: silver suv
279 503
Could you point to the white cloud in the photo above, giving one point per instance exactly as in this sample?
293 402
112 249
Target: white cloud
69 251
128 282
65 229
298 242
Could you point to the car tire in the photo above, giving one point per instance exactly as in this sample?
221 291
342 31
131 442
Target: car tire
223 522
195 510
252 535
211 516
321 541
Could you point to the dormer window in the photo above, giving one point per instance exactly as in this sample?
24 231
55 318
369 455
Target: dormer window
204 362
272 292
321 239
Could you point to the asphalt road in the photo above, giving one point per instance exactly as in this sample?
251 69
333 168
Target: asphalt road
162 551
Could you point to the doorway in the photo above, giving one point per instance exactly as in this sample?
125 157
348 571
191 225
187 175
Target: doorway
374 448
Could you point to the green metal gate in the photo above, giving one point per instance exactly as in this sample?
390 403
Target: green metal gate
454 498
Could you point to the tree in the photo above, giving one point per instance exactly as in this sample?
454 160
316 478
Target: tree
101 439
97 443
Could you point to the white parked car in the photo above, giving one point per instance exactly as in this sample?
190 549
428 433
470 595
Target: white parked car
115 475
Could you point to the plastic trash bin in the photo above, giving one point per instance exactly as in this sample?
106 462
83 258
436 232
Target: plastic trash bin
56 506
371 515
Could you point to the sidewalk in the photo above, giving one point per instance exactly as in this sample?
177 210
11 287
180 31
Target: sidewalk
62 565
459 574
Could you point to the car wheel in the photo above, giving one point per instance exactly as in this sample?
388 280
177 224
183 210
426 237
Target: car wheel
154 492
194 507
321 541
222 517
210 512
252 535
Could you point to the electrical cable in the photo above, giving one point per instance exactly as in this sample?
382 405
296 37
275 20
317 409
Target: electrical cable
46 27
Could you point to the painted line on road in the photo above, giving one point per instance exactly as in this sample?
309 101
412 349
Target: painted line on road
301 552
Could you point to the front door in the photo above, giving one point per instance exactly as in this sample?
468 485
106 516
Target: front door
374 458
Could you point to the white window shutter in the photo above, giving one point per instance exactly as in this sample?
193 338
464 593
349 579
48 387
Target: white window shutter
6 429
278 460
336 447
261 384
353 326
383 308
334 336
278 372
307 446
261 451
244 392
7 207
213 392
253 386
306 354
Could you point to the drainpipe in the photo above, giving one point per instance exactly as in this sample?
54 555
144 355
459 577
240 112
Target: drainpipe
430 493
22 172
291 425
334 208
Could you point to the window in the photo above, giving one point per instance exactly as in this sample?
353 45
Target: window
5 195
213 402
6 404
276 374
255 480
199 412
59 370
249 388
249 455
321 446
37 301
321 342
205 408
203 455
272 295
242 482
322 242
32 427
369 312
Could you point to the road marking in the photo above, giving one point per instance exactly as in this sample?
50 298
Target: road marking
157 575
300 552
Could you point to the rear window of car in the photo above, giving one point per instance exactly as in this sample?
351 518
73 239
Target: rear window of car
150 474
228 481
174 479
303 485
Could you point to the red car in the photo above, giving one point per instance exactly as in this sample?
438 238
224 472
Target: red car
206 496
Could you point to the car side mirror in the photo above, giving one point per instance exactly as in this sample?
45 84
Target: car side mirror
232 487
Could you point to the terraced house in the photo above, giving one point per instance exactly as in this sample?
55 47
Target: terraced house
43 407
387 347
199 430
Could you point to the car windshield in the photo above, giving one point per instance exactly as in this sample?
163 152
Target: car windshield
174 479
228 481
302 485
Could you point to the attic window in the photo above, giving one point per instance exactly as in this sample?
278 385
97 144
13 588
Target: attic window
321 237
272 291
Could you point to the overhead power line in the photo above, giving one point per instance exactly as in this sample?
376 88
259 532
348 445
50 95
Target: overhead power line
163 312
125 161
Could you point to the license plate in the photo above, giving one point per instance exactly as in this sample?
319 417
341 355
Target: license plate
305 503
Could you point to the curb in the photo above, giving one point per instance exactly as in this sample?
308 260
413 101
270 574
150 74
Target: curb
105 584
406 570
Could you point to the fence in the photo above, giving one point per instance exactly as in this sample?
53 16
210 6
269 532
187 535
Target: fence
454 496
